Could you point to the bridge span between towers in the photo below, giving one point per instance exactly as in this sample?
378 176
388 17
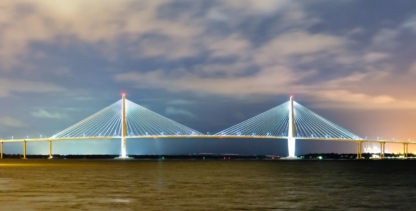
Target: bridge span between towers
126 120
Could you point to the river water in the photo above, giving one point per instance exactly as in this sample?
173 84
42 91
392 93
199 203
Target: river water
207 185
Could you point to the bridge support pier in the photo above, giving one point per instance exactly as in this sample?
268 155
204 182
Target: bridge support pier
123 148
50 150
24 149
382 149
1 150
405 150
123 154
359 147
291 140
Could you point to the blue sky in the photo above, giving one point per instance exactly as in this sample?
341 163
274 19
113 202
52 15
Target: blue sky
207 65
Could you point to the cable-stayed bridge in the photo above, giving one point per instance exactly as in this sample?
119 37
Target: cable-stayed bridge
125 119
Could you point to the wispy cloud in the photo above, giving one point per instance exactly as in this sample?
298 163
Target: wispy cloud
176 111
375 56
49 115
10 122
8 86
180 102
410 24
349 100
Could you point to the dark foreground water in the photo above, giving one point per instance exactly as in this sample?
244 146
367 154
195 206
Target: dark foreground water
207 185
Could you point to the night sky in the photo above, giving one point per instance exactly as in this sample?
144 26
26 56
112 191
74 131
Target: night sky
207 65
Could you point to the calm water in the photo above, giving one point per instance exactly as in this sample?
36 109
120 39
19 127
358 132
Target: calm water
206 185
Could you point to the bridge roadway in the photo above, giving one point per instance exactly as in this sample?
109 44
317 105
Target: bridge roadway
358 141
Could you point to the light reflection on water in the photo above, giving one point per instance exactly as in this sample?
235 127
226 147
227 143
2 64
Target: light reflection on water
206 185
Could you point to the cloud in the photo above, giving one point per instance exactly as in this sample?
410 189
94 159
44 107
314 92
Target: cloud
354 78
10 122
102 24
138 25
355 31
180 102
410 24
412 68
301 42
337 92
298 43
257 6
8 86
385 39
218 45
375 56
175 111
348 100
360 90
272 80
233 45
49 115
256 70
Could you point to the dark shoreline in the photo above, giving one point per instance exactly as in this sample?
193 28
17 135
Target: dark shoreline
311 156
150 157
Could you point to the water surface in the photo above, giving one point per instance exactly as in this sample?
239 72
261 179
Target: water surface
206 185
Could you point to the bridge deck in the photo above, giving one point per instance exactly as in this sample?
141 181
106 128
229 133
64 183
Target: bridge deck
206 137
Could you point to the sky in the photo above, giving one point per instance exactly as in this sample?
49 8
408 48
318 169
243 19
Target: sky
208 65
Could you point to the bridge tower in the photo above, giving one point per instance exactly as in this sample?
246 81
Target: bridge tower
291 140
123 128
